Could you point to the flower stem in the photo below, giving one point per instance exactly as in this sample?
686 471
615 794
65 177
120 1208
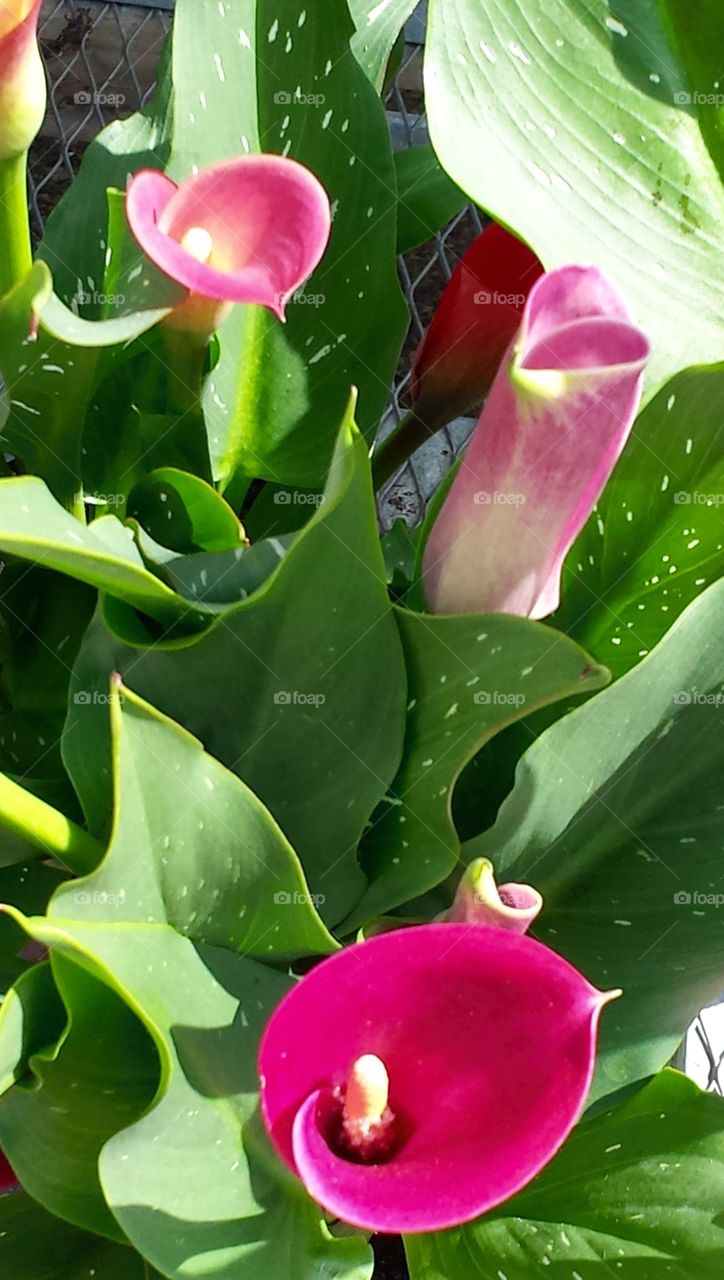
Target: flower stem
399 446
16 257
42 825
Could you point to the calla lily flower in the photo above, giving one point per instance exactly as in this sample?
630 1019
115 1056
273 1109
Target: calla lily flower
479 900
8 1181
22 78
478 315
396 1076
555 422
250 229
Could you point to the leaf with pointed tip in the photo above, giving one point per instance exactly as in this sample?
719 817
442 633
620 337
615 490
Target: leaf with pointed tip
184 512
635 1192
378 24
615 817
313 718
469 677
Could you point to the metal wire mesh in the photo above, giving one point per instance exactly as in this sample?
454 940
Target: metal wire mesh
101 60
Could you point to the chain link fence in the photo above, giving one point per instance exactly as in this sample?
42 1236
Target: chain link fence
101 60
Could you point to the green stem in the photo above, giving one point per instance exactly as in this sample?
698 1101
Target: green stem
16 257
399 446
41 824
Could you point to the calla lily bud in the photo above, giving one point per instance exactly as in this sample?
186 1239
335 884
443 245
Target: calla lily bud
478 900
250 229
557 417
396 1076
478 315
23 92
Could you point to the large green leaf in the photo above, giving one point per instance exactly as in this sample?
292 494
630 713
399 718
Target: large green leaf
36 1246
636 1192
427 198
655 540
300 689
188 822
584 126
271 75
99 1077
192 1183
616 818
469 677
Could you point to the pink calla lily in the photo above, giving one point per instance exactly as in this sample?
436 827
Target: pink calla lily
479 900
396 1076
250 229
22 78
557 417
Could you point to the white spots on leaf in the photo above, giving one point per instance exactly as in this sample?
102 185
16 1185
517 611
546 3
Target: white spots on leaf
320 355
619 139
328 66
616 1147
452 711
302 19
273 31
219 67
665 483
244 40
689 445
539 174
654 77
519 54
327 118
617 27
202 100
488 52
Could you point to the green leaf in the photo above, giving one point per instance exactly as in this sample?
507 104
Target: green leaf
313 717
184 513
468 678
377 28
635 1192
275 399
183 822
36 1246
564 120
100 1076
655 540
192 1183
616 818
35 527
428 198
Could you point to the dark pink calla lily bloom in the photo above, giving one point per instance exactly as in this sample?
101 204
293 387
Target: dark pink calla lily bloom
479 900
250 229
8 1181
396 1076
556 420
22 79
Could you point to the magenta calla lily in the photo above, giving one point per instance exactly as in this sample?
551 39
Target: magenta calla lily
250 229
22 78
459 1021
558 415
479 900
